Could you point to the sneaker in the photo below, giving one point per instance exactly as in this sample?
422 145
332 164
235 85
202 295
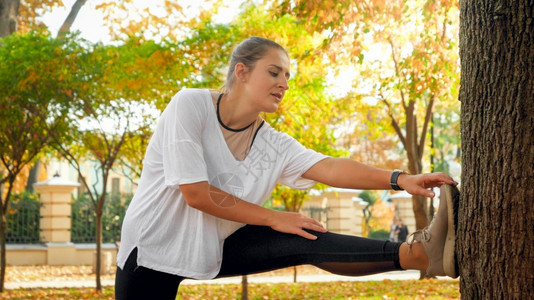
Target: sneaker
451 195
438 239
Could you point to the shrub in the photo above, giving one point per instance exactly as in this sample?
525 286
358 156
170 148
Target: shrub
380 234
84 219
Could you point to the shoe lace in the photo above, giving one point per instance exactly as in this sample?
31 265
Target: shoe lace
418 236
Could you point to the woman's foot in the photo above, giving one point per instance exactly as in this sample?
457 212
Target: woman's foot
438 239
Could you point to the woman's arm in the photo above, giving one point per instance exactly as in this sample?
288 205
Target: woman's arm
347 173
216 202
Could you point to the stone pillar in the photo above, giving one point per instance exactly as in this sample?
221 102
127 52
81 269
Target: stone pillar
359 205
340 213
343 215
345 210
55 223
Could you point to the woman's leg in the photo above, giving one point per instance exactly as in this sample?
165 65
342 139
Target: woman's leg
254 249
136 282
414 259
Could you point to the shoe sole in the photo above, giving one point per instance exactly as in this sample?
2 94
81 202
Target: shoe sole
450 263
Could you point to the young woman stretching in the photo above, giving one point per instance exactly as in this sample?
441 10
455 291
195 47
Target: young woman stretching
211 164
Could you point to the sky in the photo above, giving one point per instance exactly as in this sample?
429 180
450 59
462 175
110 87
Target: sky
90 21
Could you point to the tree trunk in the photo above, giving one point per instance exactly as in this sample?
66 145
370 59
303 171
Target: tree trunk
9 11
420 211
415 166
414 145
244 287
71 17
34 175
496 214
98 249
3 232
4 208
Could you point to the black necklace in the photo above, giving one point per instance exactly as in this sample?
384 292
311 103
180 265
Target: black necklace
221 122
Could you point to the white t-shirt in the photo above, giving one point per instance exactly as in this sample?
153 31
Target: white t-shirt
188 147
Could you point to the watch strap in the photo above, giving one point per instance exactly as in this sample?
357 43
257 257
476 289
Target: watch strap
394 178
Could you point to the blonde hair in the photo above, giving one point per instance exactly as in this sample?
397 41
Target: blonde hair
249 52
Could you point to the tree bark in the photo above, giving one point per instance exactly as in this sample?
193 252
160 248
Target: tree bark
98 250
3 233
33 177
67 24
414 145
9 11
414 152
4 206
496 215
244 287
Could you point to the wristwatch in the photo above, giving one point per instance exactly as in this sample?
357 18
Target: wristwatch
394 178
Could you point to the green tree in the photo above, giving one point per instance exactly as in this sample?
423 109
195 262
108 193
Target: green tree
22 18
110 114
419 69
418 79
369 197
366 139
114 81
130 158
140 21
38 78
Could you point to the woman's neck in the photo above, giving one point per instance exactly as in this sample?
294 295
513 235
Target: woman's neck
235 111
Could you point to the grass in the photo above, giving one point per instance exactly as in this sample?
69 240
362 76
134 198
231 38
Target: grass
386 289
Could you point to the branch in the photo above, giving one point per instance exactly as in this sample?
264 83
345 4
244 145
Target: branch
428 118
444 29
66 153
394 122
95 190
125 167
397 72
71 17
5 204
6 165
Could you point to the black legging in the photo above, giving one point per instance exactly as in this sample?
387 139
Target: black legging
255 249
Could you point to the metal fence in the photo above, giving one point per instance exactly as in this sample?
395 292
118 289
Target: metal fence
23 219
84 220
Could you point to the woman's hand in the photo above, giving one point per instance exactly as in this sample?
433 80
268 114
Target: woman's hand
295 223
420 183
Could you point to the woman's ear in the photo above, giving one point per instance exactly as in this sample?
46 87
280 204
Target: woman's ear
241 72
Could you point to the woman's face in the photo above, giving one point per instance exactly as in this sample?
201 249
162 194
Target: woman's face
267 83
